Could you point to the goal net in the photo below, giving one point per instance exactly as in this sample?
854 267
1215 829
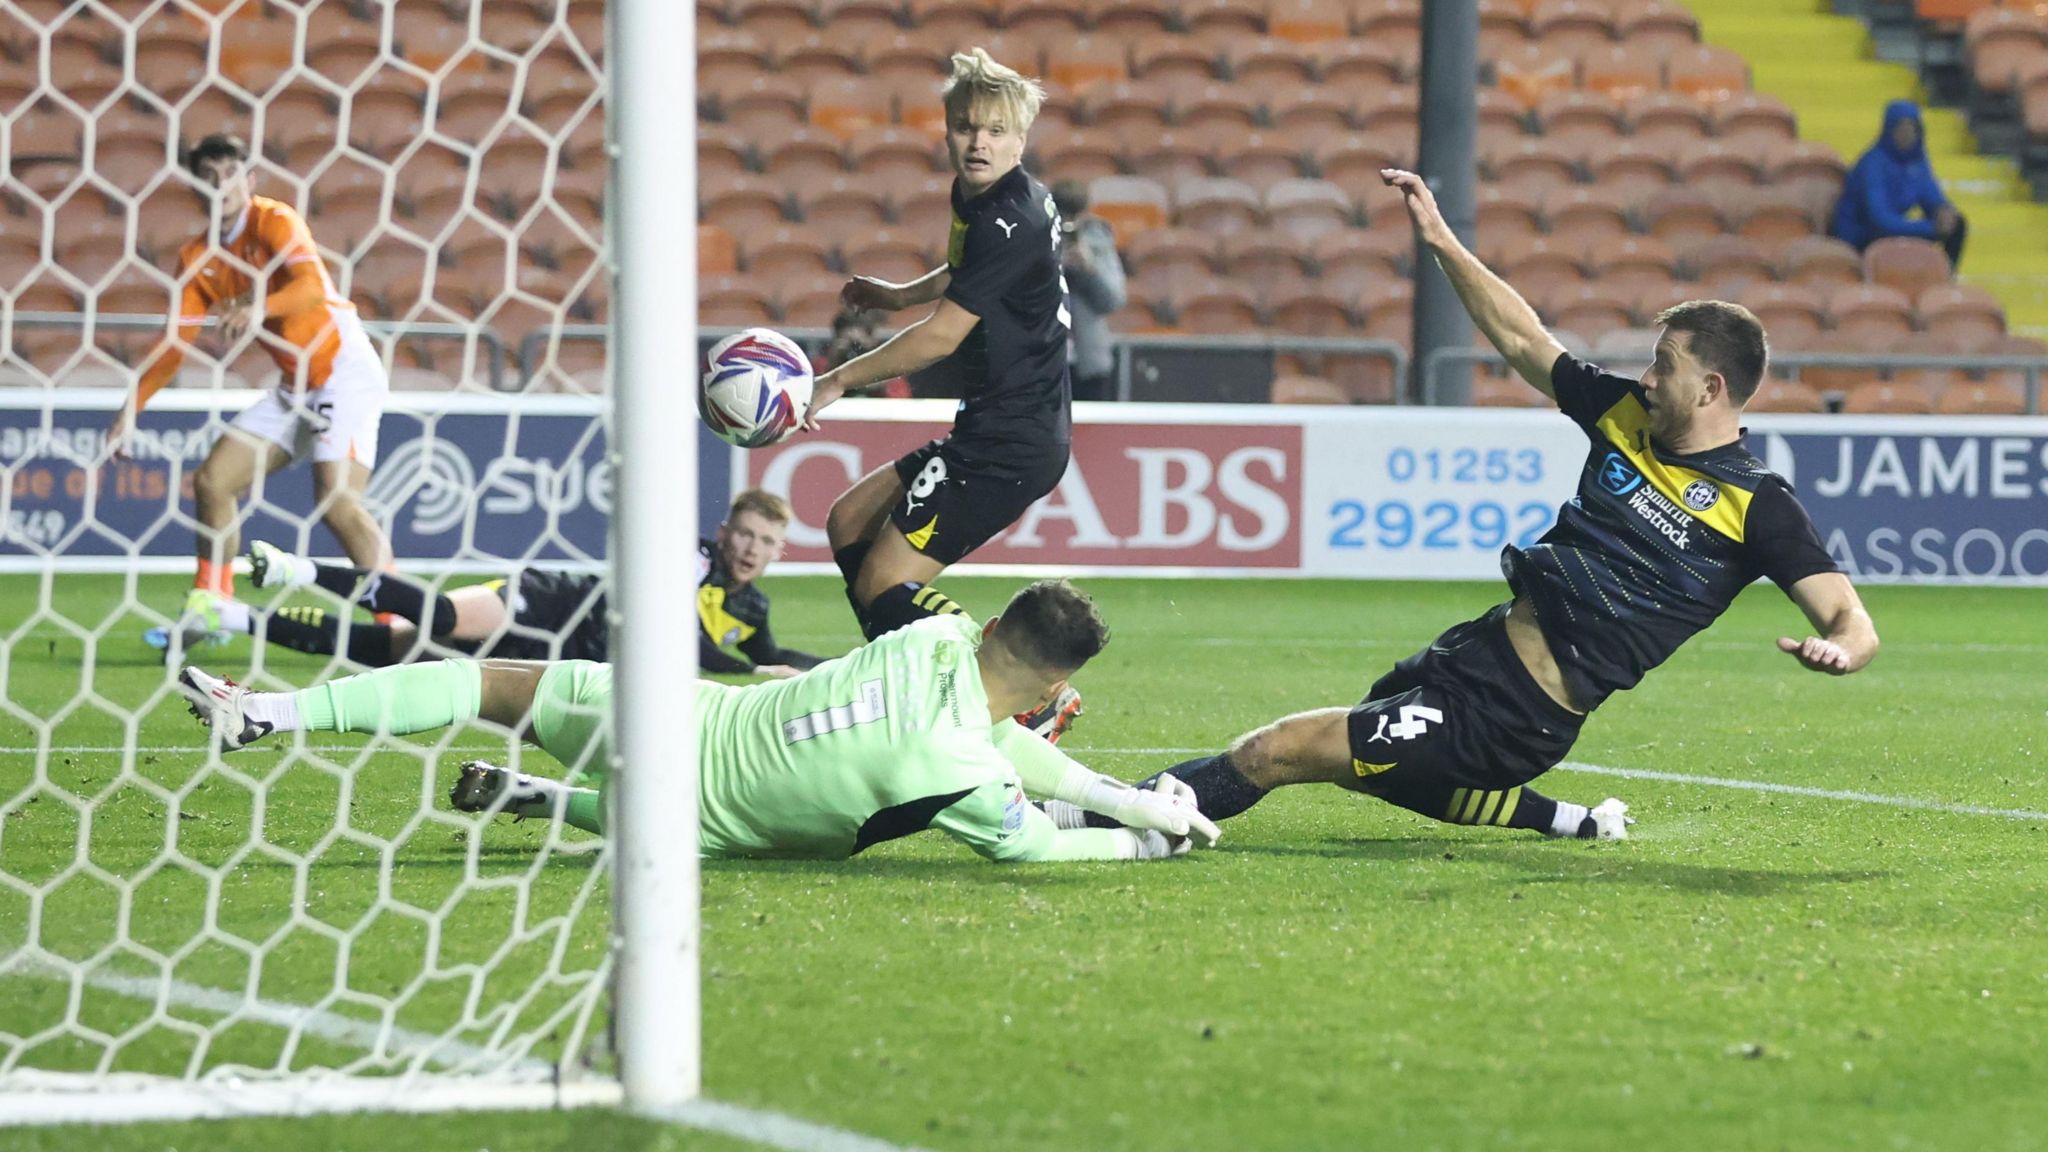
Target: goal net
304 925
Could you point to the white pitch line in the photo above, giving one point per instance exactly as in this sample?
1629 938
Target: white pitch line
774 1129
1877 798
348 1031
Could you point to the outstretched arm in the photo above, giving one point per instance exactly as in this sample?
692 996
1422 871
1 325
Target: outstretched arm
1847 638
921 345
1001 824
1050 774
1498 310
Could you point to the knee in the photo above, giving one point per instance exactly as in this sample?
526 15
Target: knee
211 485
1309 748
843 524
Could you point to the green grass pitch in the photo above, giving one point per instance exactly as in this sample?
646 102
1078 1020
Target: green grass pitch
1752 970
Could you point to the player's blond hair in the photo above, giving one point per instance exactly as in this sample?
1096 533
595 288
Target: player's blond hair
978 79
761 502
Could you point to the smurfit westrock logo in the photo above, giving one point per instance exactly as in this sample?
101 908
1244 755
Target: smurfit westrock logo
432 475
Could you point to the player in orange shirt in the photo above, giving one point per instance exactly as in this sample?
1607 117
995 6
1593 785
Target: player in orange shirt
259 265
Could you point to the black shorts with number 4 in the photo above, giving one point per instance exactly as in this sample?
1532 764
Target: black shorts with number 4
1463 713
953 504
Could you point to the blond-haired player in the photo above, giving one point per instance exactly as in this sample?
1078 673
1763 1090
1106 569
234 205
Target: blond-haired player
258 266
1001 325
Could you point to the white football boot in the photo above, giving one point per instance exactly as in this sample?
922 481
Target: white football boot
217 703
1611 820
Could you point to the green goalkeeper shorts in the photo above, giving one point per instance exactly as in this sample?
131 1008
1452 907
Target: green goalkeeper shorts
572 718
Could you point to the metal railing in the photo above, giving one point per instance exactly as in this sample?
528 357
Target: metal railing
1437 362
383 331
1128 348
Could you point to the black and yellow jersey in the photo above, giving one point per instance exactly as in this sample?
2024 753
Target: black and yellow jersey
735 615
1655 545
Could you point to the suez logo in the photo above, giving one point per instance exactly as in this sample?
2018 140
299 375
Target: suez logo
1139 495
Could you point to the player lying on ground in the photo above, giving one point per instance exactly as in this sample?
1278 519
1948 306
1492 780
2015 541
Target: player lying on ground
999 330
1673 518
909 732
537 614
256 266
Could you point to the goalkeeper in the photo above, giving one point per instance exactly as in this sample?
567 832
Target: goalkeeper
910 732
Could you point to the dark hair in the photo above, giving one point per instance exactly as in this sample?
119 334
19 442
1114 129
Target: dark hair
217 147
1052 625
1726 338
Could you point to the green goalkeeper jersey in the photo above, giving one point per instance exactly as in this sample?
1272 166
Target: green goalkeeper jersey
884 742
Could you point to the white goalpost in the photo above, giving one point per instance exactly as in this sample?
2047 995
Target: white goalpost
306 926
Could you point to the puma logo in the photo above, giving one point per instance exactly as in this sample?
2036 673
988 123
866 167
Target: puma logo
1007 227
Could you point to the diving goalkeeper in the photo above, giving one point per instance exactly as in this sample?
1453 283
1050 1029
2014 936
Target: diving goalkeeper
909 732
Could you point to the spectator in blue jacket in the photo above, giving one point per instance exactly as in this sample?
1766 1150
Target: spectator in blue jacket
1892 179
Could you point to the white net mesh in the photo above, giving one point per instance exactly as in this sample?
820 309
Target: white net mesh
312 909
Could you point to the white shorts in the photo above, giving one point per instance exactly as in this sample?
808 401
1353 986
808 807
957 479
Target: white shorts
335 422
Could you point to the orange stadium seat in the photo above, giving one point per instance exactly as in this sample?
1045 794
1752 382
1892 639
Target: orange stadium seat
1655 27
1533 71
1216 107
1307 209
1215 306
1127 107
1222 20
1314 114
1802 161
775 255
810 302
1982 398
1626 164
1360 66
1843 378
1532 161
1707 73
1997 41
1132 204
861 19
1871 311
1668 116
1261 159
965 22
1083 62
1308 308
1754 119
899 56
1540 258
1169 157
1387 19
797 154
1884 396
1171 253
1309 21
732 301
1177 63
1130 19
1572 25
810 60
1677 212
1963 313
1078 154
729 56
1265 258
1819 260
842 206
722 150
742 203
847 105
918 107
1791 313
717 252
1051 18
1588 212
1592 308
1717 162
1621 71
1307 390
1907 263
1579 113
890 253
1218 206
1354 259
1268 64
1725 259
887 153
1777 214
774 21
926 207
1781 395
1509 210
1353 163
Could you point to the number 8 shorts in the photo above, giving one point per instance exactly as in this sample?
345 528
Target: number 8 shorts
1462 713
952 504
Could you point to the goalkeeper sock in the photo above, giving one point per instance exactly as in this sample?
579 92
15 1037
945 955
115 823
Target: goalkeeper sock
318 631
388 592
585 810
407 698
1220 789
580 807
906 603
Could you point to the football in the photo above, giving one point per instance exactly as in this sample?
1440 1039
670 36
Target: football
757 384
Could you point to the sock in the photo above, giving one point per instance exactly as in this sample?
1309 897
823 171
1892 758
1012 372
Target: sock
388 593
585 810
396 701
1566 818
1220 789
216 578
318 631
236 617
1517 807
279 709
849 559
906 604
